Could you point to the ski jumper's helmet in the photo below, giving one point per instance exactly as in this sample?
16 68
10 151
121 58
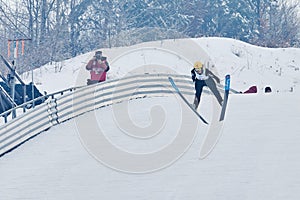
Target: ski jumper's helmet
198 65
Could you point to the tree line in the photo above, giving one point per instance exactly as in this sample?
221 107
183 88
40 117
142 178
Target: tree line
60 29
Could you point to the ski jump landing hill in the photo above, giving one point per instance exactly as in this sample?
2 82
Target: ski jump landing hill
257 156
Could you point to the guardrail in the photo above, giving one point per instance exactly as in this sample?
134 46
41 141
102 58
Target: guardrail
72 102
69 103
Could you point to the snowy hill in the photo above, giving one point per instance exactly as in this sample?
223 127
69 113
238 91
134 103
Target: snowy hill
247 64
257 156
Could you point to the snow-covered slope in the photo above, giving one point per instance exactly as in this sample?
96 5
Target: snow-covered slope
247 64
257 156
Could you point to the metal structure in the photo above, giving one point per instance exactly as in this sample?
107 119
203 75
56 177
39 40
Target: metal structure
72 102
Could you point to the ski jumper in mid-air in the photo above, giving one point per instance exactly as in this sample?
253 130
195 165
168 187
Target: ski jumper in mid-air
204 77
98 66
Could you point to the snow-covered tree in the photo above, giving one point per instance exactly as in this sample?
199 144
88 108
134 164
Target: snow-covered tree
59 29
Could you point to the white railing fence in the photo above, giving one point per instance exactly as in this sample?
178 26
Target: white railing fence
67 104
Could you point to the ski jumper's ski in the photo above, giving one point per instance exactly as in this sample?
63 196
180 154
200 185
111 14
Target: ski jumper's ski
185 100
226 93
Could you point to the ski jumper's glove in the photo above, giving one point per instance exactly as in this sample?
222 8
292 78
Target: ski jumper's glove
193 73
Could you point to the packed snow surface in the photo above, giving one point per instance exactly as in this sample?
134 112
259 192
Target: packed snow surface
257 156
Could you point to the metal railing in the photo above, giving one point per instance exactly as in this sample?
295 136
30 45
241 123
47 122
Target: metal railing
72 102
